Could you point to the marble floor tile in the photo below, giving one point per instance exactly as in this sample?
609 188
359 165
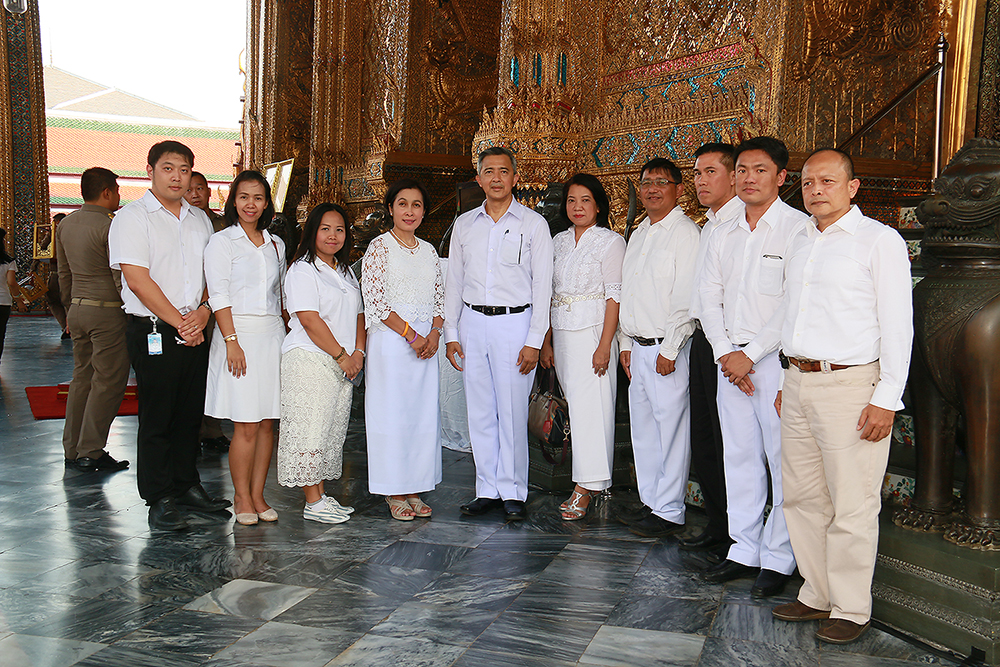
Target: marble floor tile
606 551
114 656
687 585
82 578
477 592
99 621
855 660
18 564
377 651
350 609
625 647
537 544
753 623
193 633
250 599
738 592
538 637
442 623
420 555
880 644
284 645
566 603
174 588
588 574
30 651
453 534
739 653
501 564
386 580
309 571
665 614
477 657
22 609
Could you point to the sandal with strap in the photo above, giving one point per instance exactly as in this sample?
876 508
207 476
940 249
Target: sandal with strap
573 511
419 507
398 509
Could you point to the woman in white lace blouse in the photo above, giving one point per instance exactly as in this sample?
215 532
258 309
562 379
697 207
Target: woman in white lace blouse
404 311
586 291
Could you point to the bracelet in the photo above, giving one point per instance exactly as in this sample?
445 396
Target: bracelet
405 329
206 304
343 351
410 342
230 338
439 330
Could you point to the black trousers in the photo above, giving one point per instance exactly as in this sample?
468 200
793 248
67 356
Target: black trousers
4 316
706 434
171 388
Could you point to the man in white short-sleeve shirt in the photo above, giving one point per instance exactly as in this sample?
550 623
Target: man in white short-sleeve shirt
159 242
497 300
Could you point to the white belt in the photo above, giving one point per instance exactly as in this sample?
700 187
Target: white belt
568 301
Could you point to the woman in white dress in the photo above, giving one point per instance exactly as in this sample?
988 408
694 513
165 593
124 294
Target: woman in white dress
586 292
404 311
321 354
244 266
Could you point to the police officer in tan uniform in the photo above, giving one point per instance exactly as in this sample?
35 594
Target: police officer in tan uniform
91 294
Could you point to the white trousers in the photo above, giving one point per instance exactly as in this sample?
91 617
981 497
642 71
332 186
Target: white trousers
751 437
660 417
497 397
591 404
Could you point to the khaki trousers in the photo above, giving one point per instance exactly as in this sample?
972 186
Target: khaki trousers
832 481
100 373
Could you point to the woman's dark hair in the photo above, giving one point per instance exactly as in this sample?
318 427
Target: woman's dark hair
229 212
4 257
399 186
307 245
596 190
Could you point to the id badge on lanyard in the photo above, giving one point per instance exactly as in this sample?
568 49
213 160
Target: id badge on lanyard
154 341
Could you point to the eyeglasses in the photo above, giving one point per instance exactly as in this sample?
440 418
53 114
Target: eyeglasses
658 182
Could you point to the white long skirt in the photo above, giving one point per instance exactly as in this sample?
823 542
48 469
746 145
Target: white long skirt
315 409
256 395
591 404
402 419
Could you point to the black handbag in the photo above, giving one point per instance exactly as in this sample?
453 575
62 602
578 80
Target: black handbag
548 417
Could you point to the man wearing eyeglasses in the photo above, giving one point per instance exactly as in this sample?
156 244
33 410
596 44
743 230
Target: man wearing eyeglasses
654 333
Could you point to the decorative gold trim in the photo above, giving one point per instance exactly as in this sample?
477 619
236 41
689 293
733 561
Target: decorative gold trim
960 73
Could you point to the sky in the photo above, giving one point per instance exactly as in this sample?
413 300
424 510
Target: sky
183 54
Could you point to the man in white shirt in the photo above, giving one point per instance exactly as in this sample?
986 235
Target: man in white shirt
847 333
715 183
497 299
741 297
158 242
654 331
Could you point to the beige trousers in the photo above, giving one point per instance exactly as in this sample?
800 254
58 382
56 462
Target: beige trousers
832 481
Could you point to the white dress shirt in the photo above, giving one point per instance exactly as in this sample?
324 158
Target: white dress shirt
585 276
242 276
322 289
6 299
146 234
731 210
742 287
502 263
849 300
657 278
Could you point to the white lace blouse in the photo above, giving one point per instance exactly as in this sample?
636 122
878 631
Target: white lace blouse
405 281
585 276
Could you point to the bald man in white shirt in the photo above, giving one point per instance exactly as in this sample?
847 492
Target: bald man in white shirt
847 333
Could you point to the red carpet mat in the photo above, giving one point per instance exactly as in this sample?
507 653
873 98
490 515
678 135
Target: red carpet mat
50 402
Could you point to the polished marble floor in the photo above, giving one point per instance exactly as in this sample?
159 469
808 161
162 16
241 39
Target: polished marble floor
84 582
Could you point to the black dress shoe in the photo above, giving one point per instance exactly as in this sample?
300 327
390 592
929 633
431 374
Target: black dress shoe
105 462
654 526
515 511
480 506
630 516
220 444
70 463
163 515
704 542
728 570
769 583
198 498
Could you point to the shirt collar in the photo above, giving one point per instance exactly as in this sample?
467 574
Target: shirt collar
667 220
515 209
152 203
94 208
731 210
237 232
848 222
772 214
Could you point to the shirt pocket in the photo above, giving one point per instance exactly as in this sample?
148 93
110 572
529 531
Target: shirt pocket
770 275
511 249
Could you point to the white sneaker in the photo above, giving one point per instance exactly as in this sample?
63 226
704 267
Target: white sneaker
330 500
325 513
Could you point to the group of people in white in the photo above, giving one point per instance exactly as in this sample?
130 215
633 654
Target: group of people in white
831 291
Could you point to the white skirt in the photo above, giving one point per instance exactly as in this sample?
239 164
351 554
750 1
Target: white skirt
256 395
591 404
402 417
315 409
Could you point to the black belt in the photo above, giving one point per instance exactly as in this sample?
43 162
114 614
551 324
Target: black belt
499 310
646 342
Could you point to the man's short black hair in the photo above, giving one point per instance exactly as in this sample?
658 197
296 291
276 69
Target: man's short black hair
95 181
848 162
169 146
725 152
775 149
662 164
495 150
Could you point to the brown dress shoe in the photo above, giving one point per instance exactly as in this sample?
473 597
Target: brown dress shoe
840 631
796 611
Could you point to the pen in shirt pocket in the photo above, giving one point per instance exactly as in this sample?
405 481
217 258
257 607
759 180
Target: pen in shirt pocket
772 256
